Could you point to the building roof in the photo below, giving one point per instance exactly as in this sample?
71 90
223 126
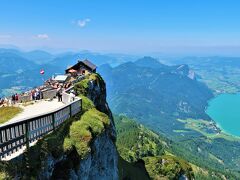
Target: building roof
86 63
60 78
89 64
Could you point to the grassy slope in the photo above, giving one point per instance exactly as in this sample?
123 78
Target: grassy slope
91 124
167 166
7 113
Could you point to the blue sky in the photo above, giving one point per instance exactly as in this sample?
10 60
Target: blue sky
127 26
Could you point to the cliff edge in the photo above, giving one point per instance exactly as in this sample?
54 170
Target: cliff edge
83 148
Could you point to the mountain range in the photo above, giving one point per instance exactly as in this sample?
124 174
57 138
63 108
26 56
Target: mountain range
220 74
153 92
19 70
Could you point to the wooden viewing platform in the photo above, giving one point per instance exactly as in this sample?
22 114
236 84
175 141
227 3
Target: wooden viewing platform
16 137
19 134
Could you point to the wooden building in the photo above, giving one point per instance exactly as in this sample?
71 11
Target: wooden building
82 67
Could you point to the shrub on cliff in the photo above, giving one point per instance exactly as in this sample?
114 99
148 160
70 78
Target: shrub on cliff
91 124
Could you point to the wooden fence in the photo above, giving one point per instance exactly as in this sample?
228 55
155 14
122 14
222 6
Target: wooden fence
18 136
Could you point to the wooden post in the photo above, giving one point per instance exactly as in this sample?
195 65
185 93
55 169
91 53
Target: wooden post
81 105
27 133
70 108
6 138
53 121
1 141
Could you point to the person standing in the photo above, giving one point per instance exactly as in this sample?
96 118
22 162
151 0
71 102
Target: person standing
59 94
16 97
72 95
6 101
61 91
35 95
13 98
1 101
41 94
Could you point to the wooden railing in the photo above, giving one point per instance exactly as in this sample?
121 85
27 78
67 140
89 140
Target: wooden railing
18 136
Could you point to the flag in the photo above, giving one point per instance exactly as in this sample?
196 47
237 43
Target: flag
41 71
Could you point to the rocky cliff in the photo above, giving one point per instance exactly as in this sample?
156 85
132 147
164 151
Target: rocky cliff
83 148
101 163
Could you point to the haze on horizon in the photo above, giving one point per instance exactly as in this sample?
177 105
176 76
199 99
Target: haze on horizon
170 27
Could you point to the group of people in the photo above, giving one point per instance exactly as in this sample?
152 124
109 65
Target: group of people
61 90
55 85
15 98
9 101
36 94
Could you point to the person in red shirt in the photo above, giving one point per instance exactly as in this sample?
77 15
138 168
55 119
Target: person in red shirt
16 97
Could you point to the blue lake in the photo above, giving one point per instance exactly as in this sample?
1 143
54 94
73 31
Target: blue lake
225 111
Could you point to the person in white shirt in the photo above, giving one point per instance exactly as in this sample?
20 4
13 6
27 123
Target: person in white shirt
72 95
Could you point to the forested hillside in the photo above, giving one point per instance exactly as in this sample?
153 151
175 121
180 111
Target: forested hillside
171 101
156 94
157 154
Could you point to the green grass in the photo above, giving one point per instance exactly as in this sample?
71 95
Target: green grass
91 124
7 113
86 103
3 175
135 141
82 87
167 166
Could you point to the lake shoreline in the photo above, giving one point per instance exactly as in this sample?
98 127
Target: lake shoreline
222 109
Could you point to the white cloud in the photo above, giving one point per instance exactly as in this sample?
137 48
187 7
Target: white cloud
42 36
82 22
5 36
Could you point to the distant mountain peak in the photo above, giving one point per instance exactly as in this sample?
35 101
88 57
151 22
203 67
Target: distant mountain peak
184 69
148 61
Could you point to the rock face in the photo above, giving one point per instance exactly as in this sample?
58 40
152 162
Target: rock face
102 162
97 93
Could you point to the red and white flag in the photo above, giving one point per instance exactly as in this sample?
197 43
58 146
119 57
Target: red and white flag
41 71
